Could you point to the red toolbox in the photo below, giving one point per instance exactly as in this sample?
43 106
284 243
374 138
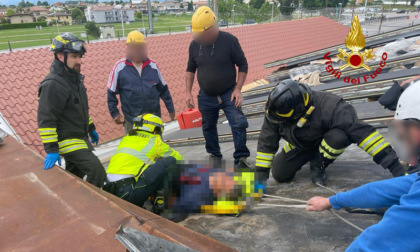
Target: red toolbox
190 118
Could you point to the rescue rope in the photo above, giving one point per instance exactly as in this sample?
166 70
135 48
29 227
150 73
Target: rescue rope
326 188
276 205
336 214
284 198
305 205
346 221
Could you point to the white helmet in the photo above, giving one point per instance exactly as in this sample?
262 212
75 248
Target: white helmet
408 106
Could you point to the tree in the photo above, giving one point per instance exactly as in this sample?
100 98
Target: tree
39 3
190 6
412 2
41 19
4 20
92 29
288 6
10 12
181 6
45 3
139 15
256 3
78 15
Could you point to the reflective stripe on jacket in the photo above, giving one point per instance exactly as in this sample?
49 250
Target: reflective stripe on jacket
63 110
330 112
136 153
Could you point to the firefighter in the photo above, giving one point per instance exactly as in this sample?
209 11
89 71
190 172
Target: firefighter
63 113
139 83
318 127
140 163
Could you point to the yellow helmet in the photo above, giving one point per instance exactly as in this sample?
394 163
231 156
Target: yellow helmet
148 122
203 19
135 37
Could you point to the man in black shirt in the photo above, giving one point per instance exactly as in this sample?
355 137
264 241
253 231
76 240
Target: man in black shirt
214 54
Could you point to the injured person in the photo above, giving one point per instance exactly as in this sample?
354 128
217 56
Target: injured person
143 165
399 230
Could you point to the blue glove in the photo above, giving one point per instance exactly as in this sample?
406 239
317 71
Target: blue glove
50 160
260 185
94 138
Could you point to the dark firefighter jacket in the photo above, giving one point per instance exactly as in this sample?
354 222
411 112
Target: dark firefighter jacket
330 112
63 111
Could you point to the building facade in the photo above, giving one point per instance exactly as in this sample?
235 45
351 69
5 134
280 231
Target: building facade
109 14
21 18
59 18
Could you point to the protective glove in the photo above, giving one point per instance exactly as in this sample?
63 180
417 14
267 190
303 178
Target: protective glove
94 138
50 160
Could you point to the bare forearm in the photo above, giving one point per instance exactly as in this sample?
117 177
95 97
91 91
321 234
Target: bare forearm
189 80
241 80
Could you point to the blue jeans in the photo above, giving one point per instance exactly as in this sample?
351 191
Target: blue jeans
209 107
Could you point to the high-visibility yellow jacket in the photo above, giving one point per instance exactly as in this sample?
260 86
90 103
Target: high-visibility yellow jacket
137 152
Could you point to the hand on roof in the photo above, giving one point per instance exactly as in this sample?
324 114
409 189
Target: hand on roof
318 204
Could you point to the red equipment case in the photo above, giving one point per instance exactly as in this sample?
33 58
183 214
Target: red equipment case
190 118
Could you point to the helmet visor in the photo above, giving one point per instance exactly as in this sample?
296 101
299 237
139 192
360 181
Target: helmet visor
78 46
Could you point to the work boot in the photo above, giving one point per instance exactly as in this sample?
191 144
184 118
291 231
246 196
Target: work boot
243 163
158 203
318 166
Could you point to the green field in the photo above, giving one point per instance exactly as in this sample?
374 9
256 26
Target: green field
32 37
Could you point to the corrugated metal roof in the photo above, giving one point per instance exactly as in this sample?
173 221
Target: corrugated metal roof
55 211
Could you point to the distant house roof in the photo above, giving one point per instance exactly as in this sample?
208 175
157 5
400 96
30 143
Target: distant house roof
37 8
58 4
21 14
101 8
58 14
261 43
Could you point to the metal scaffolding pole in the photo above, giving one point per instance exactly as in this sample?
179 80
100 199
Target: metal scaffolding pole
149 11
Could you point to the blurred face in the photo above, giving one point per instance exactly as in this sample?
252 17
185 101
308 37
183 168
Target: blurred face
408 134
221 184
207 37
74 61
137 52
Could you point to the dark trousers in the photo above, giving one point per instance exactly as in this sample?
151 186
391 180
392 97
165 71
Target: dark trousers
209 107
289 161
149 181
84 162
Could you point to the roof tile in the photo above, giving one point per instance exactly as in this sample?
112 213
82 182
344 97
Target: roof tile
22 71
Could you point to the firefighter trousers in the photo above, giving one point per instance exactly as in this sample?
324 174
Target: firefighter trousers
291 159
150 180
84 162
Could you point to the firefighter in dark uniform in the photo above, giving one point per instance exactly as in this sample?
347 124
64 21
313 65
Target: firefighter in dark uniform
63 113
318 127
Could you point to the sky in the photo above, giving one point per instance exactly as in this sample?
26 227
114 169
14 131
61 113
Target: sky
15 2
